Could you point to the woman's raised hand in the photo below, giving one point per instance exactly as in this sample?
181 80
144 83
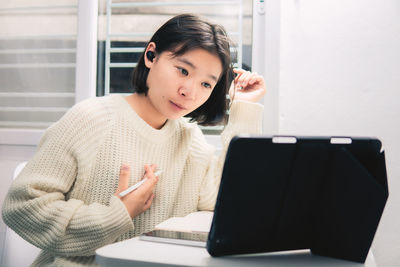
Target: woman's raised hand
140 199
248 86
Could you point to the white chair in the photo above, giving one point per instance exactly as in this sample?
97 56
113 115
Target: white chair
17 252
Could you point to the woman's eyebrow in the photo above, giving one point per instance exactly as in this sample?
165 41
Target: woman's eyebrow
187 62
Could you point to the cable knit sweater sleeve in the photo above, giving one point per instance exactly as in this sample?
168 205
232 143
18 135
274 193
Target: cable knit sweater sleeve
37 206
244 118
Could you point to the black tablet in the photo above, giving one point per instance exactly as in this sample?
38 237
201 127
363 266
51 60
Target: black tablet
286 193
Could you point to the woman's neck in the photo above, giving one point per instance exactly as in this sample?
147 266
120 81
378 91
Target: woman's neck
144 108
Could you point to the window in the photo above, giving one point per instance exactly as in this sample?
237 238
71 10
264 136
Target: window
37 62
38 53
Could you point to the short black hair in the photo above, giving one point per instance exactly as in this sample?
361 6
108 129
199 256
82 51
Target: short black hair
181 34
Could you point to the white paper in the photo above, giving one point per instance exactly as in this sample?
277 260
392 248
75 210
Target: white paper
194 222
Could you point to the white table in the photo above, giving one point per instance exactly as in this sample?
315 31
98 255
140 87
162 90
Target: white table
135 252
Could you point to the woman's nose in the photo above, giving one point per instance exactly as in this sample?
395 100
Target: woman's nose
187 89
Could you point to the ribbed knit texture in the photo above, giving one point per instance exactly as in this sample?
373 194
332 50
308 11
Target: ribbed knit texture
62 201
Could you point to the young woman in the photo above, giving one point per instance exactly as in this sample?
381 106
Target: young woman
66 200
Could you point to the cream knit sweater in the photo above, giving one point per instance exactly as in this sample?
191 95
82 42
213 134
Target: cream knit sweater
62 201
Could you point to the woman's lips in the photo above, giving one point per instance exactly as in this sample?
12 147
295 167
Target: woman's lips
177 106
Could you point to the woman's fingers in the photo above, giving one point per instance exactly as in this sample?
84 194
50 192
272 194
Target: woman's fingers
254 78
240 80
152 180
248 86
148 203
246 78
124 175
238 71
139 200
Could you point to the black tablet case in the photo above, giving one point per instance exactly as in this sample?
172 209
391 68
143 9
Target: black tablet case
305 195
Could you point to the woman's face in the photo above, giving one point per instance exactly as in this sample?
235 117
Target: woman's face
180 84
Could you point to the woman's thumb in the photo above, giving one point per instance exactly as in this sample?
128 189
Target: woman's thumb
124 175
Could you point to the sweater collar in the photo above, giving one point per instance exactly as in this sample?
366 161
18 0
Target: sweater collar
154 135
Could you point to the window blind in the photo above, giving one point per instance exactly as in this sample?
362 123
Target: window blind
37 62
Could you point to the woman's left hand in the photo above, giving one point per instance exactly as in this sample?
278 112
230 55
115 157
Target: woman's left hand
248 86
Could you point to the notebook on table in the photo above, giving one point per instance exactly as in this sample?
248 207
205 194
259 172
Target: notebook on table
287 193
191 230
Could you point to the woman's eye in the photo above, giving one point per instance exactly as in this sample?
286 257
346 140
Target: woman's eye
206 85
183 71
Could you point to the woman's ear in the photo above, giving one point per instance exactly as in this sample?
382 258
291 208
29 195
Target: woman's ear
150 54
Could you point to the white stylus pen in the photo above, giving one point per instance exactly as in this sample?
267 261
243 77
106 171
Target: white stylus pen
136 186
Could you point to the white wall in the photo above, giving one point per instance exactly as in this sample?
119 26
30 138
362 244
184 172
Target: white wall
340 75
